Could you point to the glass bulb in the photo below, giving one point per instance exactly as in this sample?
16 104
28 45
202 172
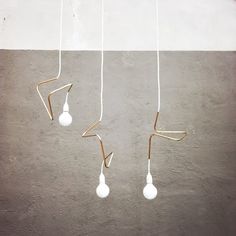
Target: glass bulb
102 190
150 191
65 119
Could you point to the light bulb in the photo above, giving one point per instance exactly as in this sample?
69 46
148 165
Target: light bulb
65 119
102 189
149 191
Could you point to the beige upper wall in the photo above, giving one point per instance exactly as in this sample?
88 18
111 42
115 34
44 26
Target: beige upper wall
129 24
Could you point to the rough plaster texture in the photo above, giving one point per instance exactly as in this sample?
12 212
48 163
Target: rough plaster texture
128 24
49 174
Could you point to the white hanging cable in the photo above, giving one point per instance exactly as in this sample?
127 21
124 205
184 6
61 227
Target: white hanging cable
102 73
60 42
93 126
158 58
60 45
66 100
102 57
157 66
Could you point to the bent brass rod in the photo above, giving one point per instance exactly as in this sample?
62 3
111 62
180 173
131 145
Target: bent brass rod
161 134
49 107
41 97
86 134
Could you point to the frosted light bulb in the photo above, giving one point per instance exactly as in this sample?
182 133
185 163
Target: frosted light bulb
102 189
65 119
149 191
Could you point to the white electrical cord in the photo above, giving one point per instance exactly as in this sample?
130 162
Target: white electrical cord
66 100
102 73
60 46
158 58
158 67
60 42
102 57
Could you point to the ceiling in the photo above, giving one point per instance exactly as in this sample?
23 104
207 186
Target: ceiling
129 25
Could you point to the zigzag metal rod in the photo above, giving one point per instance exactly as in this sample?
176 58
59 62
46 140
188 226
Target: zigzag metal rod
162 135
49 107
157 132
86 134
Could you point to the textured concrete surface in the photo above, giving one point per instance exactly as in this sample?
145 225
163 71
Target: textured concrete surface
128 24
48 174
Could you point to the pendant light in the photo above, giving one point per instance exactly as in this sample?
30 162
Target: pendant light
150 191
65 119
102 189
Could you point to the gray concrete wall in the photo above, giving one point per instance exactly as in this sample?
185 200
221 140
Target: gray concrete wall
48 174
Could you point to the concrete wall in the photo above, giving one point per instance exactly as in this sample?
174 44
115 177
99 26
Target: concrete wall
129 24
49 174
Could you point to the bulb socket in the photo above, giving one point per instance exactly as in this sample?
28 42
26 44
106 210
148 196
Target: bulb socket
66 107
149 178
102 179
